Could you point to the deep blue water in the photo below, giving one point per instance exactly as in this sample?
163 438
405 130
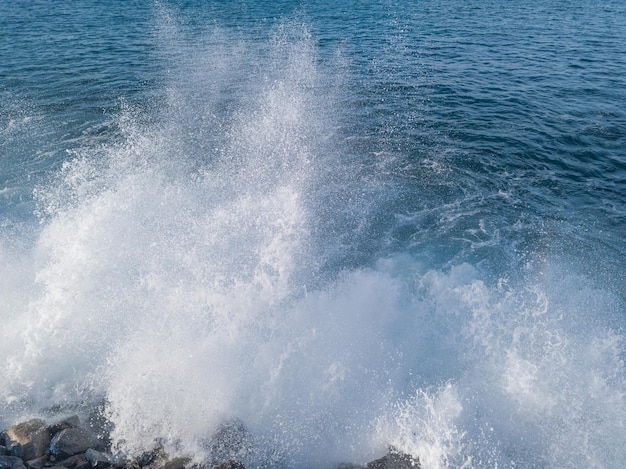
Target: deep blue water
348 225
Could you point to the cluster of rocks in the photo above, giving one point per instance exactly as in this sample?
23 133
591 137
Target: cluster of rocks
68 444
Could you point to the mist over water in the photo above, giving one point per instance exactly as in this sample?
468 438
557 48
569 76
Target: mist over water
244 247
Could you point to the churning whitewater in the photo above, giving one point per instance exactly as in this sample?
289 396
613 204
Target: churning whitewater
241 249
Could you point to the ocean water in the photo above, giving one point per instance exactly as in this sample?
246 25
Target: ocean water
347 226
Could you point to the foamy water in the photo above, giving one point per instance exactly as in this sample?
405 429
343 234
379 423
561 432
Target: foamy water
230 255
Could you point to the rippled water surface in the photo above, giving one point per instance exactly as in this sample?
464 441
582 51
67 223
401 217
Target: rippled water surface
347 226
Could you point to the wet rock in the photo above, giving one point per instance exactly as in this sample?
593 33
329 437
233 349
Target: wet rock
231 465
129 464
150 457
153 458
37 463
176 463
27 440
78 461
394 460
69 422
100 425
11 462
97 459
71 441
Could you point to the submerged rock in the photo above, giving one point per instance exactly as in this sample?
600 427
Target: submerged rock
27 440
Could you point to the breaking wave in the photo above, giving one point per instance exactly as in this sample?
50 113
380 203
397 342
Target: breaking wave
223 259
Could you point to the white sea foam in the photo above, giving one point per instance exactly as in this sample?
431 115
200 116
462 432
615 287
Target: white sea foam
181 276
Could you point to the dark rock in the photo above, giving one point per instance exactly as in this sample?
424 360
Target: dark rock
100 425
150 457
155 459
27 440
71 441
78 461
128 464
97 459
69 422
37 463
11 462
85 465
176 463
230 465
394 460
3 451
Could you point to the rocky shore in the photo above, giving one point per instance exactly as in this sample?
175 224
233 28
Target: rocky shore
70 444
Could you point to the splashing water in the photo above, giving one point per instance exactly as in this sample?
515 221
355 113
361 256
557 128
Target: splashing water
186 274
